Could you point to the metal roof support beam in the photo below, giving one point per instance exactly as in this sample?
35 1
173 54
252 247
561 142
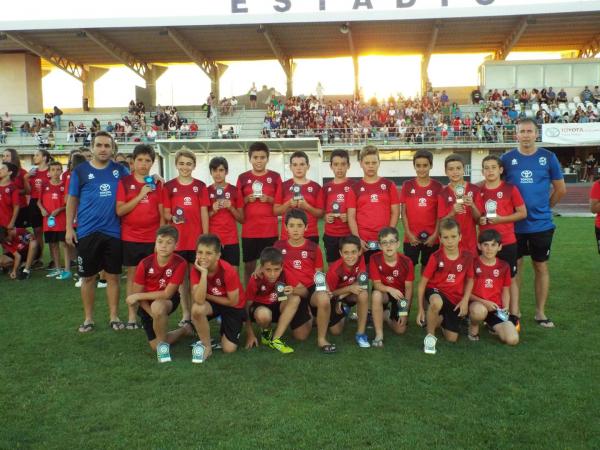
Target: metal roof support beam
427 56
512 39
287 62
211 68
591 49
134 63
348 31
76 70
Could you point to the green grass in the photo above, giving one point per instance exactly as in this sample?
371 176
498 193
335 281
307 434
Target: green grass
60 389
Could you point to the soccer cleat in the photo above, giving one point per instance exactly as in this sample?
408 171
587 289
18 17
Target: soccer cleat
53 273
280 346
265 336
198 352
102 284
362 340
429 344
163 352
64 275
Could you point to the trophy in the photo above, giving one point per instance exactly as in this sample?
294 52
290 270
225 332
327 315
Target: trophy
502 314
459 192
363 280
423 236
490 209
257 189
320 284
178 216
403 308
198 352
373 245
297 191
150 182
219 196
279 290
335 209
51 222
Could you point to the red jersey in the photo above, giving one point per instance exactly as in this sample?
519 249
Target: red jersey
52 198
420 206
343 195
449 275
19 183
36 180
65 176
312 194
154 277
466 222
259 220
188 198
141 223
339 276
20 242
506 198
595 195
9 198
260 290
394 276
300 263
491 280
224 280
222 223
374 206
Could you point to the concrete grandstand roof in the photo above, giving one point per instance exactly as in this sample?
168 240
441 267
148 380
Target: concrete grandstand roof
544 32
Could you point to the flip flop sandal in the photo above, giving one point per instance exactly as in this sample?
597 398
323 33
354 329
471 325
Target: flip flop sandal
545 323
328 349
473 337
132 326
116 325
377 343
86 327
182 322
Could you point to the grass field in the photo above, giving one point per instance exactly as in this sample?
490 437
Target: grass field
60 389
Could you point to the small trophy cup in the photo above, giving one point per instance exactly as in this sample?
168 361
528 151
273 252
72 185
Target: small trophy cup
459 191
373 245
219 196
257 187
490 209
297 191
363 280
320 284
279 290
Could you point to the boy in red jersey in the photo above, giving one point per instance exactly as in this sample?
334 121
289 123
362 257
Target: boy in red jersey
490 297
9 196
301 193
18 245
217 291
270 300
501 205
157 278
33 184
10 155
457 201
346 288
226 210
257 189
446 285
418 202
185 202
302 259
52 204
377 203
595 208
338 197
393 275
140 207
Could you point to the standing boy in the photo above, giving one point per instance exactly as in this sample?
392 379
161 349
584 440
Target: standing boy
446 286
419 202
393 275
338 197
9 196
256 189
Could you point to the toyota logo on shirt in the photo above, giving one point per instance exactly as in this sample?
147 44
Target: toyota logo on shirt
526 177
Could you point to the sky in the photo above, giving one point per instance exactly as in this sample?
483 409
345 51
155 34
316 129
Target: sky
186 84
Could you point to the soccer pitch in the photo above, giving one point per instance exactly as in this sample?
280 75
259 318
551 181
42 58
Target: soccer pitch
61 389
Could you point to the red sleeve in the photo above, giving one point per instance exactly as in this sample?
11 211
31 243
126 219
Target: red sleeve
238 186
402 196
373 270
279 195
351 199
431 267
15 197
517 198
140 274
121 196
232 280
194 276
506 281
204 200
470 270
319 258
320 200
166 199
239 200
394 199
159 193
251 288
179 274
595 192
332 278
479 202
443 209
411 271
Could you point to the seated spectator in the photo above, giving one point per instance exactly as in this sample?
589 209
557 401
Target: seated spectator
152 133
132 107
543 96
524 97
444 98
109 127
596 96
71 132
95 125
7 122
587 95
534 96
193 129
562 96
81 132
25 128
140 107
551 96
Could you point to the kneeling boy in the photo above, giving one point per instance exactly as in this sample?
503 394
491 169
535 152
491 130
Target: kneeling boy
393 275
156 281
17 247
270 300
216 291
446 285
490 298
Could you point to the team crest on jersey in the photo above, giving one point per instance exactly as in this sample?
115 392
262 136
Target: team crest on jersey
395 273
309 189
441 264
263 288
132 187
187 201
54 196
514 162
162 283
489 283
283 251
374 198
429 192
451 278
459 268
362 189
297 264
383 187
195 189
543 160
169 272
304 254
150 270
499 194
174 190
496 273
116 173
423 201
329 189
269 180
91 176
346 189
390 279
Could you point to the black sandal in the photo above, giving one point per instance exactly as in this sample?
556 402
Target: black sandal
328 349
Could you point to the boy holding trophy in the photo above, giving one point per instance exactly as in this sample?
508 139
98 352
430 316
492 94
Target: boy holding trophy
393 275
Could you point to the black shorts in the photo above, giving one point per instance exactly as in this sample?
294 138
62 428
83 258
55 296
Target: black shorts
413 252
134 252
332 248
36 219
252 247
188 255
451 321
96 252
231 254
148 322
252 98
598 238
275 309
535 244
52 237
231 321
492 319
303 314
23 217
335 317
509 254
